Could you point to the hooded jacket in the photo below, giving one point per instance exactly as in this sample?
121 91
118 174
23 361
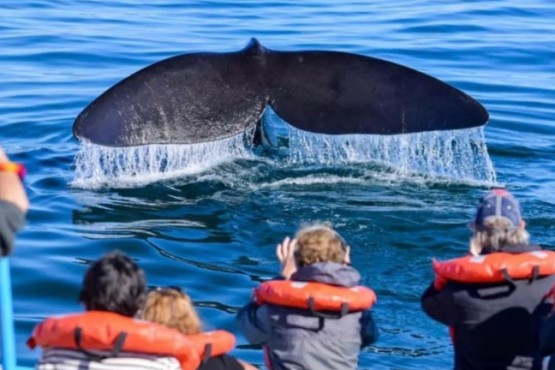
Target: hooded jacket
495 325
295 339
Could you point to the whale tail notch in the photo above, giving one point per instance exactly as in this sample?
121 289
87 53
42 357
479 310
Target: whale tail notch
201 97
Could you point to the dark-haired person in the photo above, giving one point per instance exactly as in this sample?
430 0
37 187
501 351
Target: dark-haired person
13 202
114 288
494 299
114 283
108 337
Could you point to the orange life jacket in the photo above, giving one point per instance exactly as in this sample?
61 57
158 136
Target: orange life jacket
497 267
314 296
107 331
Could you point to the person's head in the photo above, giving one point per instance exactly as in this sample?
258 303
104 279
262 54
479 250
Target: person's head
172 308
319 243
114 283
498 223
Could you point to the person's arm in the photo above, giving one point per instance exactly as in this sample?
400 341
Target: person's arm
13 205
368 329
285 253
440 305
253 321
11 188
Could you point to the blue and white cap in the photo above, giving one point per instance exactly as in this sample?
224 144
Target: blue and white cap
499 203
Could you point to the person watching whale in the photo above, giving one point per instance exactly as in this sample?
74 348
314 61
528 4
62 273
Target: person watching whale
107 336
316 316
494 299
172 307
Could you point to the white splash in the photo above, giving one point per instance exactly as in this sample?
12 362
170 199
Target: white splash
459 155
98 166
455 154
324 179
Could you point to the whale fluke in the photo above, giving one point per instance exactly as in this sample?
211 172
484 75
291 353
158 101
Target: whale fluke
200 97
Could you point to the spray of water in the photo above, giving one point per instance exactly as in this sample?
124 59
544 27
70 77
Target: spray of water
97 166
456 154
459 155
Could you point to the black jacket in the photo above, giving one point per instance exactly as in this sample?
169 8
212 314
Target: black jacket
496 326
547 339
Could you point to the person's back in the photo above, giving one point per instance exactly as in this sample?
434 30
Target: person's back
113 289
495 326
493 301
68 359
299 337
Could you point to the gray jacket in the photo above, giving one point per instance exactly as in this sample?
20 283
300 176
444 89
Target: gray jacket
295 339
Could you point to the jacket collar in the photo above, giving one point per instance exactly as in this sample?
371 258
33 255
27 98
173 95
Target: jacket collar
328 273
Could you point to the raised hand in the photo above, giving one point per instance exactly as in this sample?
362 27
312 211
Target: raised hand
285 252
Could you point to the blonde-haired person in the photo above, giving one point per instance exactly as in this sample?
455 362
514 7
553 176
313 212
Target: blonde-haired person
173 308
299 338
494 325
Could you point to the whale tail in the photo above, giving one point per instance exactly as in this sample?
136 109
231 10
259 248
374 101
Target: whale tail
200 97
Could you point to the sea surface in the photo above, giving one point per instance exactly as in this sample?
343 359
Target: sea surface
210 219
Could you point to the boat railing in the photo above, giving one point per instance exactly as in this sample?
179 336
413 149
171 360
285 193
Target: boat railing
8 352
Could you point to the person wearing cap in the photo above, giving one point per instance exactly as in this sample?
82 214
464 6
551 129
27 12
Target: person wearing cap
13 202
494 324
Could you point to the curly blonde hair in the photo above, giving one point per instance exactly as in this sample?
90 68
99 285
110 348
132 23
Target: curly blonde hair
319 242
496 233
172 308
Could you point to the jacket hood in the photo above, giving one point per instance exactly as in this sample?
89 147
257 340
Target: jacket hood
328 273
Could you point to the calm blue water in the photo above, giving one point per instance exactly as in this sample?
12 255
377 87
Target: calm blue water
211 221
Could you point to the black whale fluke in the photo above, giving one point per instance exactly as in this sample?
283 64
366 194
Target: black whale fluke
202 97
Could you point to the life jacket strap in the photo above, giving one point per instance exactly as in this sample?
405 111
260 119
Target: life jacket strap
207 353
535 273
118 345
506 275
325 315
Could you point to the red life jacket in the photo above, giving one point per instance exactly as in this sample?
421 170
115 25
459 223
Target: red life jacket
107 331
314 296
497 267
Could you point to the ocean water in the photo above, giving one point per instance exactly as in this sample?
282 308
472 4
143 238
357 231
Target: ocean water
208 217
